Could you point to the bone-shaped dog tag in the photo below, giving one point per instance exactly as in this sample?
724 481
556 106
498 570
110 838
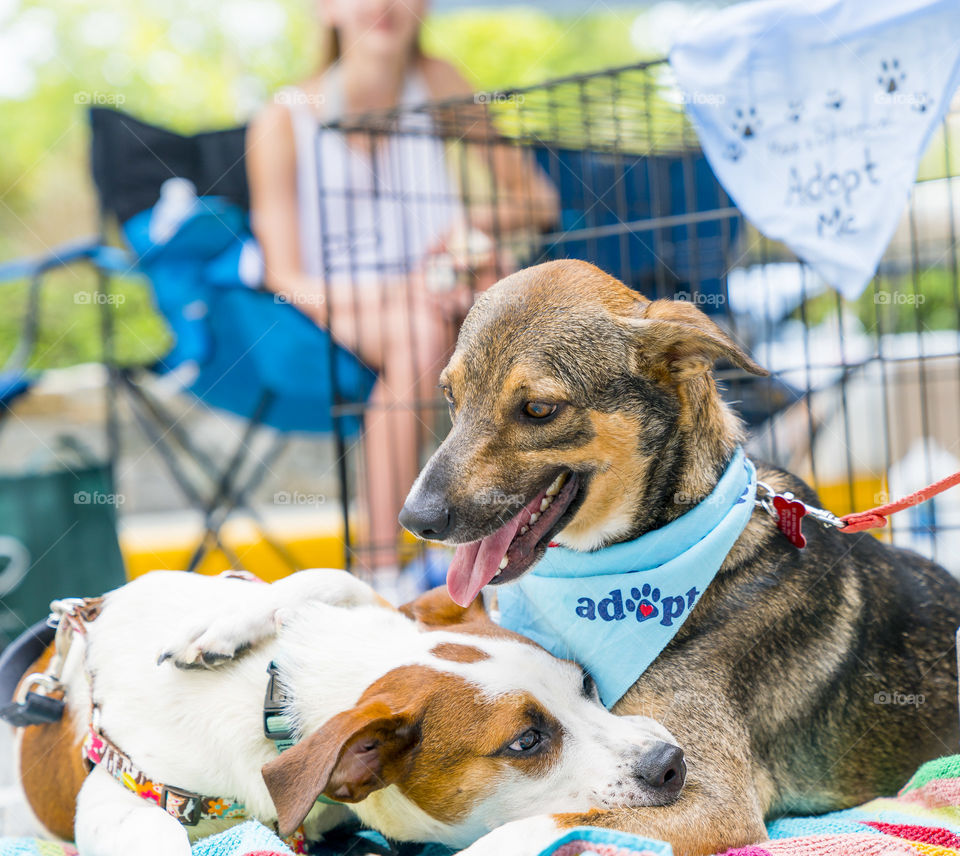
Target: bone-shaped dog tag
790 514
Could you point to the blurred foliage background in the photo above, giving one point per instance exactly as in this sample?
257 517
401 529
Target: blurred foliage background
201 64
197 65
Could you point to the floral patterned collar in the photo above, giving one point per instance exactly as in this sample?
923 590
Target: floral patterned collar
186 806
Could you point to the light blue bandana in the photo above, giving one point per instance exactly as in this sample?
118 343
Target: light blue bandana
614 610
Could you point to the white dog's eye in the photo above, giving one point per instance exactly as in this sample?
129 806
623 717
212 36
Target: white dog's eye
529 740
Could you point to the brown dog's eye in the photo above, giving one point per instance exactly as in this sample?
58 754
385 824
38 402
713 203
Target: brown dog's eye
448 395
539 409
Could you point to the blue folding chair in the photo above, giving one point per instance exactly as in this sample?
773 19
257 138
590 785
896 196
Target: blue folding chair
236 346
16 378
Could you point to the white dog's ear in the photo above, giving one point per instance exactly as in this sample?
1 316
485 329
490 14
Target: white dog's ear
436 608
352 755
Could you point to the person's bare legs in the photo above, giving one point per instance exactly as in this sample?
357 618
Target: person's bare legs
402 333
400 414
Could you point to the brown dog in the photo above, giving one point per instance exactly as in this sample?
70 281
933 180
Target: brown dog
778 685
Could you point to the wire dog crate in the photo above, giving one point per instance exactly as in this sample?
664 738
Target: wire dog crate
439 200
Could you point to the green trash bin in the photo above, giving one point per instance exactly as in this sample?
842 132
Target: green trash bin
58 536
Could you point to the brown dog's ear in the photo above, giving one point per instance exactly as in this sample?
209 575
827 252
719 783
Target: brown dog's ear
436 608
677 335
352 755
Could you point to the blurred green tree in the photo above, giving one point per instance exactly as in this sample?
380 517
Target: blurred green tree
190 65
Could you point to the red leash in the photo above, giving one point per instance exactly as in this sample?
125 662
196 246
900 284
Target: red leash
876 518
789 512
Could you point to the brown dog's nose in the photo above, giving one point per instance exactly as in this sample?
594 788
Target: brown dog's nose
426 520
662 767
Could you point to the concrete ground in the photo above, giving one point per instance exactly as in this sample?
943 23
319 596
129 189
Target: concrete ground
71 403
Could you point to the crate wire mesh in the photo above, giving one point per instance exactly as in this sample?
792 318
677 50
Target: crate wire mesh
447 197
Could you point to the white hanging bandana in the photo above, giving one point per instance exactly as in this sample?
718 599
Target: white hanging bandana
814 115
614 610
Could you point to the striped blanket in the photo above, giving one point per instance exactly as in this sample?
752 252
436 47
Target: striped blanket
922 820
247 839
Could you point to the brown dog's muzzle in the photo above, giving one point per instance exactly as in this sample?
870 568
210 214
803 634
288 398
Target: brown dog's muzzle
429 510
499 535
427 516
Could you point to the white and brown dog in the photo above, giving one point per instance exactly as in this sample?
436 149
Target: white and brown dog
430 724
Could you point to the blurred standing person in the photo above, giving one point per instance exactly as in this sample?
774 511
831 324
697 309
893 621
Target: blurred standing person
352 226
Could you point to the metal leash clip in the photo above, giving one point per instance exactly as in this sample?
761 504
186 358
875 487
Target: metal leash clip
766 501
36 702
823 517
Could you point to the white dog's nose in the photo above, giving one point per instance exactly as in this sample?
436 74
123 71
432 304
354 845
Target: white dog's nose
662 767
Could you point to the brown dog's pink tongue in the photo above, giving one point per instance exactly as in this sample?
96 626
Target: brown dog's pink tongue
476 563
460 574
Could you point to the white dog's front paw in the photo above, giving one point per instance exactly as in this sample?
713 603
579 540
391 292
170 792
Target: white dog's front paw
112 821
525 837
148 836
224 639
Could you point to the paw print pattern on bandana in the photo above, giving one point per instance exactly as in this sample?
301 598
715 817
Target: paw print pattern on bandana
835 100
733 151
746 123
644 602
920 102
891 77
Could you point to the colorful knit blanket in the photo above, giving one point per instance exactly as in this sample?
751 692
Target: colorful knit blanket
922 820
246 839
